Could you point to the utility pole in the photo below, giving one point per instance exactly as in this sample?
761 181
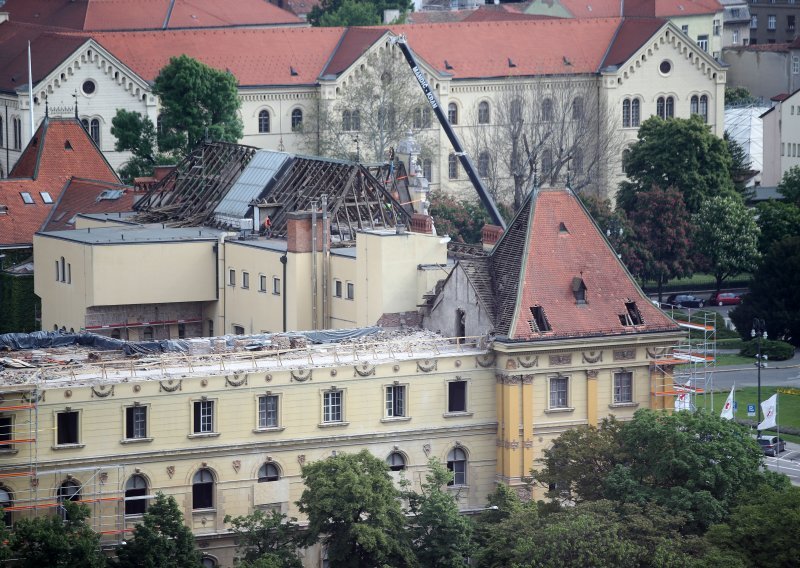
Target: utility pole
759 332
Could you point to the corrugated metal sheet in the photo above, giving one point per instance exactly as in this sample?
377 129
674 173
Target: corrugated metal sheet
259 172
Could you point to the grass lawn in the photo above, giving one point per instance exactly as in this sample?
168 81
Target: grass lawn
734 359
788 406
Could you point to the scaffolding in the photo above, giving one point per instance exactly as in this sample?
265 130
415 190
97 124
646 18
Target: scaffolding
682 378
33 491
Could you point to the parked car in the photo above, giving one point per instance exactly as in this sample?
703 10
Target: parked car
685 301
725 299
772 445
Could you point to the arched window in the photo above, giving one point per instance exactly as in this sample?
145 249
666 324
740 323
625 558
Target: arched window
63 270
263 121
452 166
203 489
422 117
85 122
268 472
94 130
636 112
386 115
483 113
626 113
135 491
356 121
704 108
297 119
70 490
547 161
665 107
396 461
427 168
457 463
484 159
515 113
6 501
547 110
160 123
577 161
660 106
577 108
626 155
208 562
694 105
452 115
346 120
670 110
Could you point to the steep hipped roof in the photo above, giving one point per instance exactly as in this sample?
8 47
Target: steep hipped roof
60 149
549 249
633 34
107 15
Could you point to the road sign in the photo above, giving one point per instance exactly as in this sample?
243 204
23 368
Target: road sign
751 409
735 405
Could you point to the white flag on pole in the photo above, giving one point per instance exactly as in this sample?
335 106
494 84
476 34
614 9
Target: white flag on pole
727 410
770 409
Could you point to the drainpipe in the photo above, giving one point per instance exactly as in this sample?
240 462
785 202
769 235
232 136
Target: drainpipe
314 265
284 261
325 261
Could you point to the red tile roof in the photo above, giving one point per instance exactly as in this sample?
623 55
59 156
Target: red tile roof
535 47
87 196
633 34
107 15
269 58
487 13
552 241
353 44
59 150
632 8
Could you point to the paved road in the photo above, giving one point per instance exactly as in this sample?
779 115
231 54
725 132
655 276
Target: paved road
775 374
787 463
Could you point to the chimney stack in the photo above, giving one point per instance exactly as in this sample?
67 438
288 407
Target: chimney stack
490 234
298 232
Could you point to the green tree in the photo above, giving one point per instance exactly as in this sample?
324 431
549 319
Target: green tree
763 529
776 221
738 96
161 540
726 237
440 534
664 231
266 540
678 153
355 12
462 220
353 508
741 169
195 99
789 185
56 542
774 295
136 134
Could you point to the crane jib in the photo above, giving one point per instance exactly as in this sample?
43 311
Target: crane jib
426 87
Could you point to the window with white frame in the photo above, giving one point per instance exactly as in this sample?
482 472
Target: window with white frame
263 121
276 285
203 417
753 22
796 64
395 401
483 113
245 279
297 120
351 291
452 113
702 42
337 288
623 387
735 37
136 495
136 422
559 392
771 23
717 27
262 282
268 406
665 107
685 28
332 406
457 463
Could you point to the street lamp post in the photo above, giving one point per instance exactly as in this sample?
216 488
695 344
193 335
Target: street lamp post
758 332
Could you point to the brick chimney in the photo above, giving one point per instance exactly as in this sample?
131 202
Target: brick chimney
160 172
490 234
298 231
421 224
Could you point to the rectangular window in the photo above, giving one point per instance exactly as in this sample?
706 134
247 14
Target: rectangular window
332 406
753 22
46 198
735 37
623 387
685 29
337 288
231 277
716 27
135 422
559 391
67 428
69 273
262 283
796 64
238 330
245 279
6 432
539 322
26 197
789 23
771 21
395 401
702 42
203 416
351 291
276 285
268 411
457 396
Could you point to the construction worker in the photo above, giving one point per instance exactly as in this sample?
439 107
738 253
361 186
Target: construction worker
266 228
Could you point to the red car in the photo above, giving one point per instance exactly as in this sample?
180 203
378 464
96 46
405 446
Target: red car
725 299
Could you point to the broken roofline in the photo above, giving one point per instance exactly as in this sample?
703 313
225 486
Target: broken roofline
611 333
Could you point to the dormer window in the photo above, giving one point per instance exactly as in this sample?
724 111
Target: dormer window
26 197
3 209
579 290
46 198
67 146
632 316
539 323
562 229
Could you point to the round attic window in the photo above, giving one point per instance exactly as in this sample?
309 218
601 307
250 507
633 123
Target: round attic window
666 67
88 88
